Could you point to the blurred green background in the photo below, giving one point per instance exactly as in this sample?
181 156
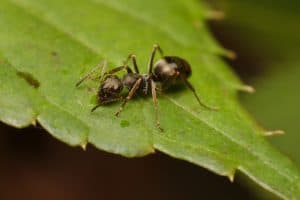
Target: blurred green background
265 34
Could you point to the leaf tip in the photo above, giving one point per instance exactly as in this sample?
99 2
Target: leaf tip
274 133
215 15
247 88
83 145
34 122
229 54
231 176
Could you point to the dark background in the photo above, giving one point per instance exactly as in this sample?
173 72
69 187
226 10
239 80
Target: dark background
36 166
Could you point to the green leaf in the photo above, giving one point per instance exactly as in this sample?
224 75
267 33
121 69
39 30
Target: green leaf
46 46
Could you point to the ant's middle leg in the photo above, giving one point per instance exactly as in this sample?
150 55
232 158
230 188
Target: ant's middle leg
130 95
156 47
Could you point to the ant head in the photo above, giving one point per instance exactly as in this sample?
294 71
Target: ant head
112 84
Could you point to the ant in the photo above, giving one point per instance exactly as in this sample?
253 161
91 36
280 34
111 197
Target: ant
168 71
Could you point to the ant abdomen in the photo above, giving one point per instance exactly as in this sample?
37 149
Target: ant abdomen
171 70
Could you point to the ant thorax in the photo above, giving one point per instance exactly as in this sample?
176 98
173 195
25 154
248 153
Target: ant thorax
130 79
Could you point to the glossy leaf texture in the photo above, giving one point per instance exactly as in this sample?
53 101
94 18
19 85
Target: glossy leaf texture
46 46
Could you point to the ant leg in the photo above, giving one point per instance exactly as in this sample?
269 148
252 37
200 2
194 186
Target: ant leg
153 89
105 102
130 95
88 75
189 85
95 107
133 58
156 47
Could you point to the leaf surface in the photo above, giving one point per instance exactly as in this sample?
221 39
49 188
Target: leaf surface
54 43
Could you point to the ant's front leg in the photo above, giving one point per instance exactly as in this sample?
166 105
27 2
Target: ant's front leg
130 95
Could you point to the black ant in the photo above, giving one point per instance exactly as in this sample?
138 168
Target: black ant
168 71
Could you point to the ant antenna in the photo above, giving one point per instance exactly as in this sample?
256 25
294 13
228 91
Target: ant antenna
88 75
103 70
189 85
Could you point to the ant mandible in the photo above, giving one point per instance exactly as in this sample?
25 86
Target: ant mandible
168 71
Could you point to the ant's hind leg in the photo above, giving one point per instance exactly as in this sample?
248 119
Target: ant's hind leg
189 85
156 47
133 58
154 97
130 95
88 75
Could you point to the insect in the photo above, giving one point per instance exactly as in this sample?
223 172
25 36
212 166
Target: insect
167 71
